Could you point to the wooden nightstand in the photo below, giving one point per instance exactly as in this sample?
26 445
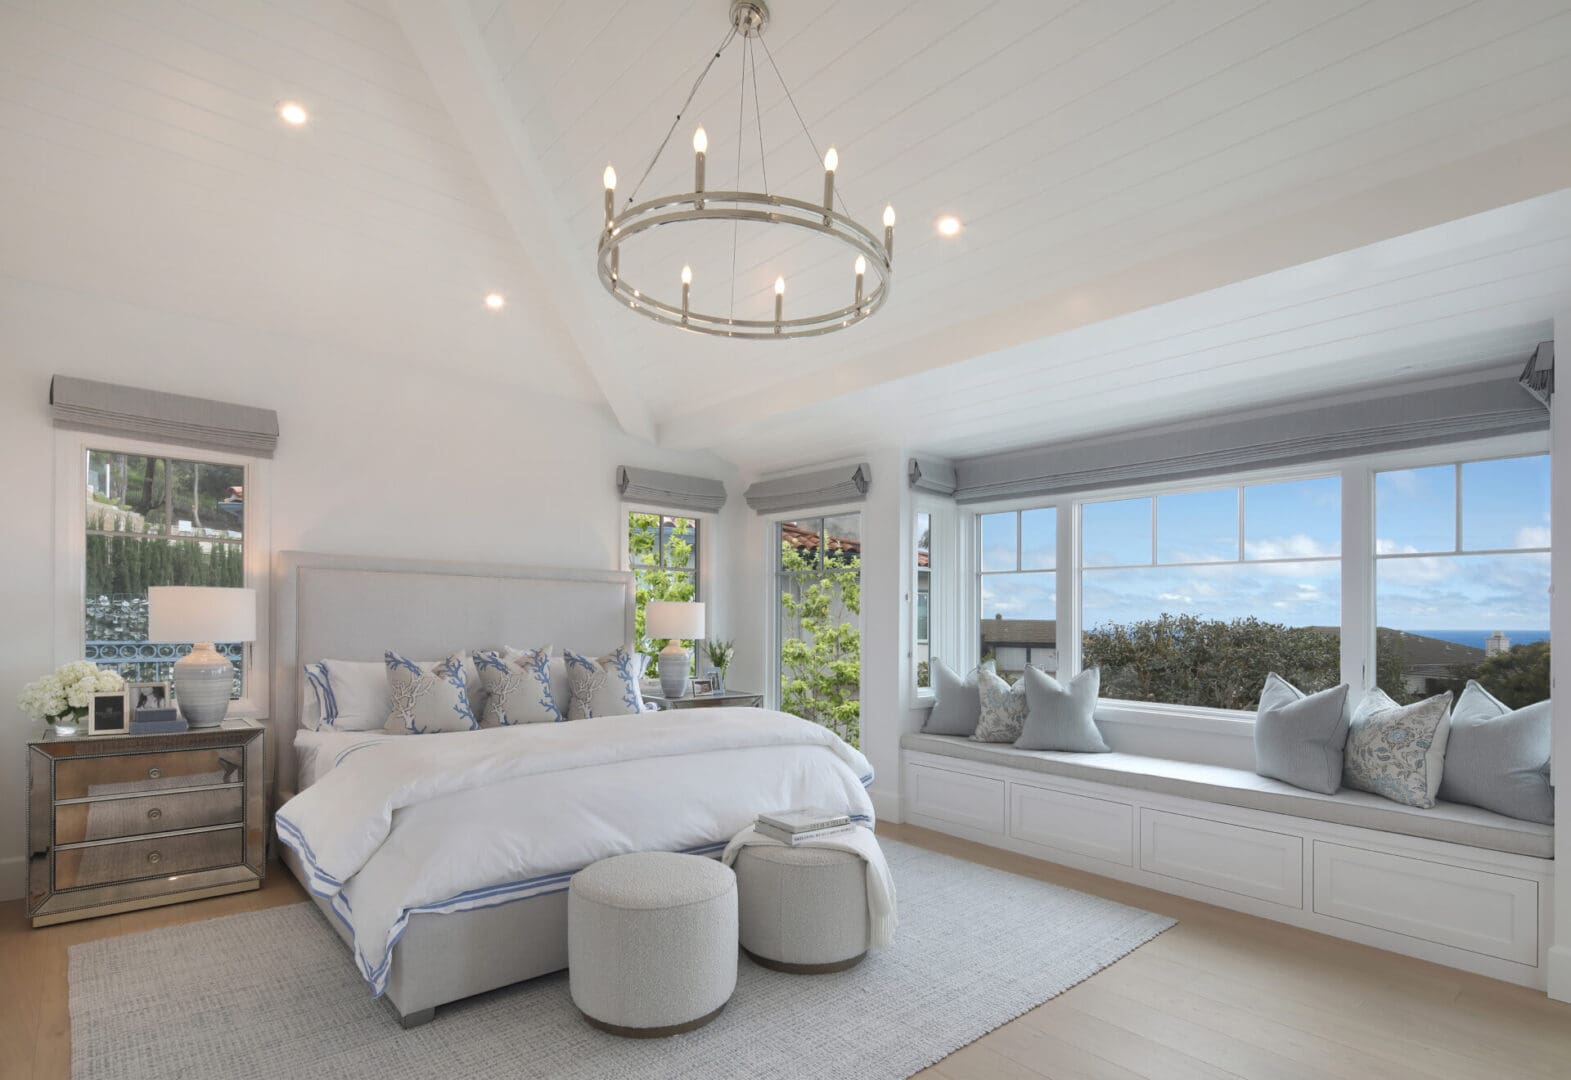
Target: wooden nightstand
738 698
122 822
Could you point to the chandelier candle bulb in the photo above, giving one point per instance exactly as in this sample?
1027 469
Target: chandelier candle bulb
861 269
700 147
779 301
687 285
889 233
831 163
610 195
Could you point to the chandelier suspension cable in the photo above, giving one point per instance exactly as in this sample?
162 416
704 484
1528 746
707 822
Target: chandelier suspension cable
702 75
810 141
758 116
736 224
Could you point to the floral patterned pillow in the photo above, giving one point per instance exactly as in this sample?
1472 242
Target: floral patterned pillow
1398 750
522 687
1003 708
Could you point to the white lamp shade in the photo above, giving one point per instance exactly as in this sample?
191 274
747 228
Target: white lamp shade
674 619
182 613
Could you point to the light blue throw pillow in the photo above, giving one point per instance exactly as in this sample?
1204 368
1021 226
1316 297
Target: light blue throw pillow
1300 738
1060 717
957 703
428 700
1498 757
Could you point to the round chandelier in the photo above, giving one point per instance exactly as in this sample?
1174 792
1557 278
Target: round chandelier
748 20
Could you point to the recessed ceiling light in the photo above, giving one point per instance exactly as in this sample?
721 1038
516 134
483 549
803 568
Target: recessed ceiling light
948 225
495 301
292 113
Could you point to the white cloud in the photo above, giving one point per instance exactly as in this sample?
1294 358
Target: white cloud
1297 546
1533 536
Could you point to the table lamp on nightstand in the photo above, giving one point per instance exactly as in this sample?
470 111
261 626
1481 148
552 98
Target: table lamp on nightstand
204 677
674 619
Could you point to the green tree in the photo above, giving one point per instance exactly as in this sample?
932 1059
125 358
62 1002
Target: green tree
1519 677
821 664
660 550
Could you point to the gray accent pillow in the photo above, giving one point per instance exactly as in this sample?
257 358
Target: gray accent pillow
1003 708
1396 750
957 704
1498 758
1299 738
1060 717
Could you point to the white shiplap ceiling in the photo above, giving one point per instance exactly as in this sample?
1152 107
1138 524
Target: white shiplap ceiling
1105 158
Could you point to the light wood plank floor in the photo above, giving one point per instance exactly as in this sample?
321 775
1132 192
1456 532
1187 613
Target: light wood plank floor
1219 995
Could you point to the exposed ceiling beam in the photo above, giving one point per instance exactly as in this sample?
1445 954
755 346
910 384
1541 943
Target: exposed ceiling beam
444 37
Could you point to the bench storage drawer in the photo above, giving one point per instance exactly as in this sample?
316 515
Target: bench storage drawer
977 802
1237 859
1492 914
1079 824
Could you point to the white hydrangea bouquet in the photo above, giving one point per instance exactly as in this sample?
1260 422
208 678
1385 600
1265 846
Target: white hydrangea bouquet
64 698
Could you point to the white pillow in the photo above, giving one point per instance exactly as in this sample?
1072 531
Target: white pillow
527 686
605 685
428 699
352 695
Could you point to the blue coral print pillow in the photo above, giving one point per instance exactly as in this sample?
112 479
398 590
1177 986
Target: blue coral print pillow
522 686
1398 750
427 700
604 686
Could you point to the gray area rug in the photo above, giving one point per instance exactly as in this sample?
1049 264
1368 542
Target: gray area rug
275 994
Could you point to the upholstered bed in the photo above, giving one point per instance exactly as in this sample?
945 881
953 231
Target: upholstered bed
443 859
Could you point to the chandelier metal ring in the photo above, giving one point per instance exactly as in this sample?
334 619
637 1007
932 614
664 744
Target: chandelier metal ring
780 210
748 18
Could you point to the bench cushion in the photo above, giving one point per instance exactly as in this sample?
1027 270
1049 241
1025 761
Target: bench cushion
1448 822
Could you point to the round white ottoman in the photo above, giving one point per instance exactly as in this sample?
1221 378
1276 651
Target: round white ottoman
651 942
804 909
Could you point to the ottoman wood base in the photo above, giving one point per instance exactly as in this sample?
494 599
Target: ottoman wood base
804 969
654 1032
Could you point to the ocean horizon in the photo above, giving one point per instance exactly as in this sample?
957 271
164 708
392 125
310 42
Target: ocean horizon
1477 638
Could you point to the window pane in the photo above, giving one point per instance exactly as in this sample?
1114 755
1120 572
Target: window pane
679 542
1209 635
661 550
922 651
819 628
1116 533
1415 510
842 541
999 541
799 544
1446 619
643 540
1019 627
1039 539
1300 519
1505 504
1197 527
157 521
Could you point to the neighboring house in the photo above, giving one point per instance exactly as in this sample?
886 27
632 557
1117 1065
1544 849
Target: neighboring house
1431 662
1015 643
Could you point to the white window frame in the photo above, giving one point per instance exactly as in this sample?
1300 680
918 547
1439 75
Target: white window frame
945 593
772 577
70 585
1357 554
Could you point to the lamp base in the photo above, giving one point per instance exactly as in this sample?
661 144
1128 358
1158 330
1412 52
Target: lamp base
674 668
204 678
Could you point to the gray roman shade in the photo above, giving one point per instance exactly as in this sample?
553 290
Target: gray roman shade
1313 432
931 476
670 491
87 405
1538 378
807 491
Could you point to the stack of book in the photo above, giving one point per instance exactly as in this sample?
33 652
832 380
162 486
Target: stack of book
794 826
164 721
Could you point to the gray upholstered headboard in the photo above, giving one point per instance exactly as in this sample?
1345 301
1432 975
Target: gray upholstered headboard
347 607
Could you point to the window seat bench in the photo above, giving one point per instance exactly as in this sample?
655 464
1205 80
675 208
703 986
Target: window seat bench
1454 884
1449 822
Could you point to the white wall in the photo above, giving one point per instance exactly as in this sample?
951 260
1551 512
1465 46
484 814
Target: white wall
1560 667
416 464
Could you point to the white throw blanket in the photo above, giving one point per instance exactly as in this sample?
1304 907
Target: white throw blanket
448 822
881 913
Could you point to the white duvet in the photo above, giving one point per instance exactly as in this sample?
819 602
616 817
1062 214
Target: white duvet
442 823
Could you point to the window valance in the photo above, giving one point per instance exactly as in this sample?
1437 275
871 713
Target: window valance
110 409
806 491
933 476
672 491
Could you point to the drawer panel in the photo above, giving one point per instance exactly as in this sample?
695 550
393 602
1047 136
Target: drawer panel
958 798
128 774
1096 828
1236 859
156 856
1469 909
106 819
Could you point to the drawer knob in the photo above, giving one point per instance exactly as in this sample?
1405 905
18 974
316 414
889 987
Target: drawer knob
153 856
154 773
155 813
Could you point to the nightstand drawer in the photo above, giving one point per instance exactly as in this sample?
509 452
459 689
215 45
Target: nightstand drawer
157 856
127 774
106 819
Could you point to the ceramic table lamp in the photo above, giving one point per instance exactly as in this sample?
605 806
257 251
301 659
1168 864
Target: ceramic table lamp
203 677
674 619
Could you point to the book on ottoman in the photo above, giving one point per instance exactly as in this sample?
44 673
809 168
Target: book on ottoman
795 826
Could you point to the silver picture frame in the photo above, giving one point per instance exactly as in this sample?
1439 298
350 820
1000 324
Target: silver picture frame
110 714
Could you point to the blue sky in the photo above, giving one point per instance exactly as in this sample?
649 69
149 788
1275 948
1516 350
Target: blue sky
1291 540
